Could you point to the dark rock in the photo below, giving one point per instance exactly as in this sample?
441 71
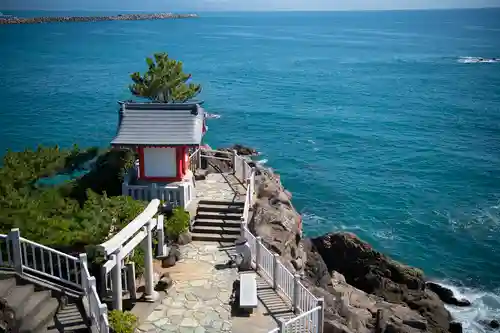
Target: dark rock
494 324
446 295
164 283
375 273
455 327
184 238
200 174
173 256
244 151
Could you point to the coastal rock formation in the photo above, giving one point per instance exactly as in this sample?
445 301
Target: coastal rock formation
126 17
446 295
364 290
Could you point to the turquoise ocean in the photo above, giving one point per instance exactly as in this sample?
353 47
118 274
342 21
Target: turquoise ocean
376 121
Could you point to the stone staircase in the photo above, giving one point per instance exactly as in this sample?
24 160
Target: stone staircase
218 221
28 307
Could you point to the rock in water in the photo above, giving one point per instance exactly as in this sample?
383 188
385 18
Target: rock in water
446 295
456 327
494 324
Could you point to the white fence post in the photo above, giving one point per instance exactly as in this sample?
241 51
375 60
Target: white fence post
258 244
150 294
296 293
282 325
103 312
243 225
15 239
321 314
234 160
160 233
116 276
275 271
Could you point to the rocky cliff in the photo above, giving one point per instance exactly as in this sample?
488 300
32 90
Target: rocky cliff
364 290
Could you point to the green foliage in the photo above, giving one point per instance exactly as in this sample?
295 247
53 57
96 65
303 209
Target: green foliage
72 215
122 322
164 81
177 223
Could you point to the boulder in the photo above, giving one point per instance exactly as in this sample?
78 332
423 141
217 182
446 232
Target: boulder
494 324
184 238
455 327
173 256
374 273
243 150
446 295
164 283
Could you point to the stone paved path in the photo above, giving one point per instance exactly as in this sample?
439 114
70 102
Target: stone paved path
198 302
223 187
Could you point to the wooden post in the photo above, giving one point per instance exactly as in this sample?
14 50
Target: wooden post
198 158
150 294
116 280
321 314
296 293
83 277
17 259
275 271
258 245
131 285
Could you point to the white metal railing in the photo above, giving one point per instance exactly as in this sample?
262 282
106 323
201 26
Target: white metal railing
97 311
169 194
31 259
309 308
5 252
307 321
50 263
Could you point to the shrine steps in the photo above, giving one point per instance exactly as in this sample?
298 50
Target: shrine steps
33 308
217 221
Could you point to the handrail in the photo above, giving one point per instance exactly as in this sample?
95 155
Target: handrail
46 248
302 315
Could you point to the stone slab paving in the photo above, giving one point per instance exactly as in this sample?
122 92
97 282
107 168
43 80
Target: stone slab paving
221 187
198 301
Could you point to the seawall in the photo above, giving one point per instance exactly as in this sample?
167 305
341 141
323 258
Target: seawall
125 17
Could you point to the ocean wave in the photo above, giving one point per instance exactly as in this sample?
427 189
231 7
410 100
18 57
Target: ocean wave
473 60
485 307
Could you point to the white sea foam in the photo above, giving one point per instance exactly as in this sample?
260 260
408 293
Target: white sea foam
485 307
473 60
262 161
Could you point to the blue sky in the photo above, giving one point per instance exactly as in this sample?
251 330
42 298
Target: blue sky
241 5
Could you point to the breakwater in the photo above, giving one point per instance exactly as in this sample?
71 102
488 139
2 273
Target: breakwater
124 17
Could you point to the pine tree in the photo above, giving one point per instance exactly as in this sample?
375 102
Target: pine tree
164 81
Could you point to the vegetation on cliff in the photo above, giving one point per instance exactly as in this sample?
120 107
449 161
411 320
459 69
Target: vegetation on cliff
65 198
164 81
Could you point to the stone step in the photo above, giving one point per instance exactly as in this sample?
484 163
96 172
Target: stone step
223 203
220 208
6 284
218 223
203 229
214 237
18 296
38 321
36 301
218 216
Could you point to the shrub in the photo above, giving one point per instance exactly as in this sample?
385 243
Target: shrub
122 322
177 223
